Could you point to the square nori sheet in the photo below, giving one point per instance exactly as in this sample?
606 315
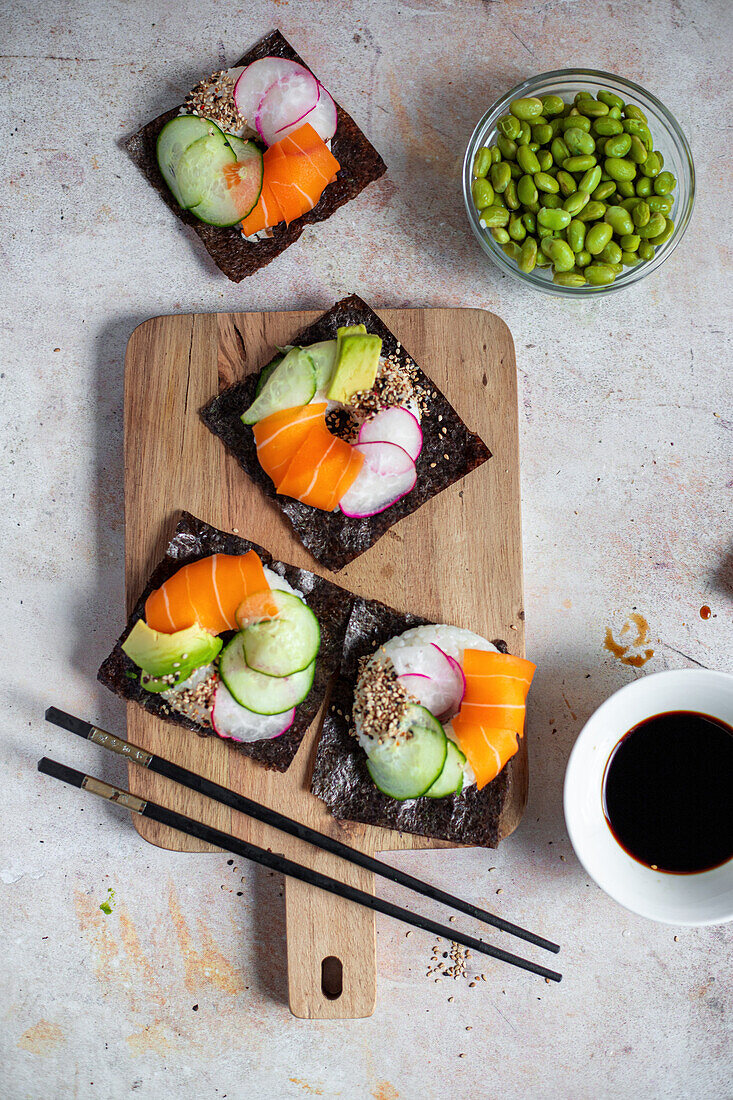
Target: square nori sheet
360 163
194 539
340 776
333 538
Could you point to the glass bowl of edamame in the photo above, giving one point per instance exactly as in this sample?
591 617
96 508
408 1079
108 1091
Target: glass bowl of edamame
578 182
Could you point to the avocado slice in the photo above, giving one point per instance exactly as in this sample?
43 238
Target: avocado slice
169 659
357 362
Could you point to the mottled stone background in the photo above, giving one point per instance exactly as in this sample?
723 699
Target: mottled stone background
626 426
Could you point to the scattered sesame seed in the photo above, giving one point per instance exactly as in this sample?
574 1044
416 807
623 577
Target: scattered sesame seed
468 1027
433 465
451 1000
471 985
452 920
407 934
461 1055
500 890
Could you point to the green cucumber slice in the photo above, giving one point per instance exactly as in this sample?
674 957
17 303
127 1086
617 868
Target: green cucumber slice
293 382
323 355
409 768
260 693
204 186
251 172
266 372
174 139
285 645
450 780
202 164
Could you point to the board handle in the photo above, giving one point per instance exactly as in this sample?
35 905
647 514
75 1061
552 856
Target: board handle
331 947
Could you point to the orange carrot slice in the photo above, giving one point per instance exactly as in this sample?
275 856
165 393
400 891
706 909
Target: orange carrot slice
487 748
207 592
317 470
279 435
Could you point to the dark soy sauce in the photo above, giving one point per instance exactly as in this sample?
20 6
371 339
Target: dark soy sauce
668 792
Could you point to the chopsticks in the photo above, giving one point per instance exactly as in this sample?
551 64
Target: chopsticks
278 863
285 824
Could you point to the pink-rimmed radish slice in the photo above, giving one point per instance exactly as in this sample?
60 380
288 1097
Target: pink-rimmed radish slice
388 474
395 425
429 661
260 76
323 117
285 106
233 721
460 682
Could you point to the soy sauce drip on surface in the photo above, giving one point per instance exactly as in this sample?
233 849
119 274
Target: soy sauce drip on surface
668 792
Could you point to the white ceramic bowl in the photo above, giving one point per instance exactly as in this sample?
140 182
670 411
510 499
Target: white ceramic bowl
703 898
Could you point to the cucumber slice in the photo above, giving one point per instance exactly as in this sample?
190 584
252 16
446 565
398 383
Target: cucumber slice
450 780
266 372
285 645
293 382
323 355
251 173
174 139
409 768
257 692
201 165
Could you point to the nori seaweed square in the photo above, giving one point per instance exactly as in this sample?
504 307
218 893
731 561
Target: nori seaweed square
194 539
340 776
333 538
360 163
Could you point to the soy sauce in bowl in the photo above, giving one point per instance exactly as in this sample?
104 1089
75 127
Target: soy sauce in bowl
668 792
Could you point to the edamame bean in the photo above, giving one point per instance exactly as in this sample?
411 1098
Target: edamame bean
592 108
514 170
512 250
574 203
583 258
615 112
545 182
528 255
559 150
653 227
664 235
630 259
482 162
576 121
568 278
592 212
626 188
611 254
509 126
542 133
630 242
507 147
542 260
501 236
527 161
554 219
606 127
493 216
500 176
660 204
598 237
578 141
510 195
526 190
652 166
552 105
619 169
544 159
517 232
629 204
495 154
530 221
576 235
560 252
643 186
482 192
638 151
664 183
617 146
590 179
610 98
599 274
631 126
550 200
632 111
543 232
646 251
565 182
525 134
603 190
526 108
641 214
619 220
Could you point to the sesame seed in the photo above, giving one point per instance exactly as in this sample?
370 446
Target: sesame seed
468 1027
500 890
451 1000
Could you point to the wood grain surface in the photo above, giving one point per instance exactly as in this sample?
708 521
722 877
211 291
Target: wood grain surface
458 559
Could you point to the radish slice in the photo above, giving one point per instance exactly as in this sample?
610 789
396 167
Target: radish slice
439 688
323 117
259 77
396 425
233 721
285 105
388 474
460 682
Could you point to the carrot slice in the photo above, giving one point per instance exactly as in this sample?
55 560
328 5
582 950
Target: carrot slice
487 748
317 469
481 662
296 172
279 435
207 592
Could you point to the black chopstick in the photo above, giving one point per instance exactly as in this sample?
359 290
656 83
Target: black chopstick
278 863
285 824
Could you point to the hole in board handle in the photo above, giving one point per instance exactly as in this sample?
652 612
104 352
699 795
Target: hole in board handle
332 977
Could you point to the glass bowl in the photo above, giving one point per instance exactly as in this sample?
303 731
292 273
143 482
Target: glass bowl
668 138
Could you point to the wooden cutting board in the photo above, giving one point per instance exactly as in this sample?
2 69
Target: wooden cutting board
457 560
